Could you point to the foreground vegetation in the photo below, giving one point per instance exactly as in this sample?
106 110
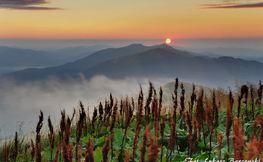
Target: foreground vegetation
200 129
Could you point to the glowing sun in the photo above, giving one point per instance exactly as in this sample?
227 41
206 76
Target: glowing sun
168 41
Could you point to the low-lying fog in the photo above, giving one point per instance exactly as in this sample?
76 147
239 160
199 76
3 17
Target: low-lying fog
20 104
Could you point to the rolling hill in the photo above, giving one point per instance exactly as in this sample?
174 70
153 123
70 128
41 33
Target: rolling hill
13 59
162 63
72 69
158 61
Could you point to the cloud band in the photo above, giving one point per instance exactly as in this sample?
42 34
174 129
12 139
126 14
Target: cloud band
223 6
24 5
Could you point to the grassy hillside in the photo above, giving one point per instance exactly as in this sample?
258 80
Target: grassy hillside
200 127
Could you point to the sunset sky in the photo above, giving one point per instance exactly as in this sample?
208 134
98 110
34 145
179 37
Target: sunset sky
130 19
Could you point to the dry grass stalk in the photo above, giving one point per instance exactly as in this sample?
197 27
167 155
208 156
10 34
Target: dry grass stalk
244 90
215 109
100 118
162 126
200 115
229 119
106 112
113 119
62 124
85 125
192 148
111 101
156 129
94 118
238 142
220 140
190 127
38 153
32 150
239 106
16 147
215 113
160 104
108 109
133 104
172 141
67 131
106 149
260 141
154 106
70 152
252 149
172 137
148 101
144 144
174 97
193 138
80 124
154 150
182 100
6 153
252 100
73 115
100 111
27 146
57 152
51 136
259 91
138 123
193 98
67 152
129 116
129 113
121 108
209 122
189 122
38 136
89 152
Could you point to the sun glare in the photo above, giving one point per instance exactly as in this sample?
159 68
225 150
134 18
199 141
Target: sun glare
168 41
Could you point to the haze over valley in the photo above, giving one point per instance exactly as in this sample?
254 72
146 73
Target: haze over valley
93 76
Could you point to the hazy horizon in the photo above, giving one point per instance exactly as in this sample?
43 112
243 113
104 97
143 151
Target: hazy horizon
52 44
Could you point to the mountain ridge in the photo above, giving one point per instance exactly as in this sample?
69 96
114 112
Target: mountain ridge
162 60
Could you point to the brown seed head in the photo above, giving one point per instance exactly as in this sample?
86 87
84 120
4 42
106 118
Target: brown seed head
106 149
32 150
252 149
238 142
144 144
154 150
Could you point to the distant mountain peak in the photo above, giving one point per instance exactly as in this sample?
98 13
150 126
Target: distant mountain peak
173 50
134 45
164 45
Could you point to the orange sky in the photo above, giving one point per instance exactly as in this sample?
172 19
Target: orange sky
130 19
